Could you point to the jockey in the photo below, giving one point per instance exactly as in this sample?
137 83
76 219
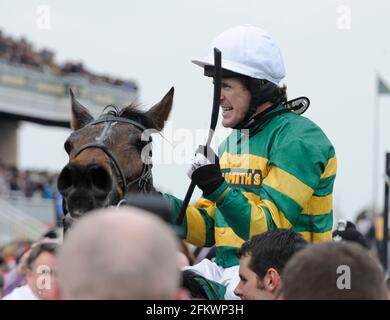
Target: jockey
275 170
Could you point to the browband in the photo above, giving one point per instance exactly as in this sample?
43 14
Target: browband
110 118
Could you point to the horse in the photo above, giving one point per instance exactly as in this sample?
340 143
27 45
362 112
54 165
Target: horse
110 157
105 155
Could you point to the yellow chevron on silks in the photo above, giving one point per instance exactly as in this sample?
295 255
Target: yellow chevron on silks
317 237
289 185
319 205
207 205
227 237
277 215
330 169
196 227
258 222
244 161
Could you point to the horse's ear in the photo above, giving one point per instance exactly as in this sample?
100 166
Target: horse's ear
159 112
80 114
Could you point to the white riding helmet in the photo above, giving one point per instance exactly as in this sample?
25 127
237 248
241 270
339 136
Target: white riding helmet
249 51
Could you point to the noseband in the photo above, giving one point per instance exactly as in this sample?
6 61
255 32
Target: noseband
144 180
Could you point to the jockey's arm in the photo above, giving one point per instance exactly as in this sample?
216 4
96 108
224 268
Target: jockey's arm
197 227
295 193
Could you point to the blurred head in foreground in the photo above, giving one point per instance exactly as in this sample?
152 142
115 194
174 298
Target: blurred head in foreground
124 253
333 270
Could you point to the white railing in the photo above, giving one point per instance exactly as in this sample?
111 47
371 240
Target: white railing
26 218
15 223
36 207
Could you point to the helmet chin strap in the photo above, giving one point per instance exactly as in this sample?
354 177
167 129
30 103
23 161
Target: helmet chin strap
261 117
261 92
297 106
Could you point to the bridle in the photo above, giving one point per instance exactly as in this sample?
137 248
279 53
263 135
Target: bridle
145 179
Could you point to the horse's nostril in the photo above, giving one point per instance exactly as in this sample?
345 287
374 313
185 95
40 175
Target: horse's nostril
100 178
64 180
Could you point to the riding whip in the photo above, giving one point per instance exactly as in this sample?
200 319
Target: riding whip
213 124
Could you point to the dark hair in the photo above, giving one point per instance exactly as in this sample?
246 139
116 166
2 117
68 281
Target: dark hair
271 249
314 273
275 94
49 246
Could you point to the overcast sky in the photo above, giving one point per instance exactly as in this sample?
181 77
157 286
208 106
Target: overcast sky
332 50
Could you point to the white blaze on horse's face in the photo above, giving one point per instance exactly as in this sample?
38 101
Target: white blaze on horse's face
105 155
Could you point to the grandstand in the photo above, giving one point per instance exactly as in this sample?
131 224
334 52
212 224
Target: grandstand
35 88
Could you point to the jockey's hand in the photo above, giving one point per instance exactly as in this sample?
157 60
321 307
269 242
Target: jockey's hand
205 170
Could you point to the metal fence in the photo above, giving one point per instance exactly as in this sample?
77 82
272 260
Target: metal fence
25 218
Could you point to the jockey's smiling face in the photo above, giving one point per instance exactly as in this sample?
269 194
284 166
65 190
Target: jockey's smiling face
251 287
235 99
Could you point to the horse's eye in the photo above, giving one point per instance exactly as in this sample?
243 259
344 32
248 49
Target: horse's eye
67 146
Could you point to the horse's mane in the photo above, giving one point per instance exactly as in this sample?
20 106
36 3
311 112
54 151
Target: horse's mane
131 112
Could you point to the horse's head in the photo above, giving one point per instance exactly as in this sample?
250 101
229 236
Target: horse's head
106 155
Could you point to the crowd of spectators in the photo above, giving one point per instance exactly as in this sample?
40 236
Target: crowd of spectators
27 183
21 51
276 264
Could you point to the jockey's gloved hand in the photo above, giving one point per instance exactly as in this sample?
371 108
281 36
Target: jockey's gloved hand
205 170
